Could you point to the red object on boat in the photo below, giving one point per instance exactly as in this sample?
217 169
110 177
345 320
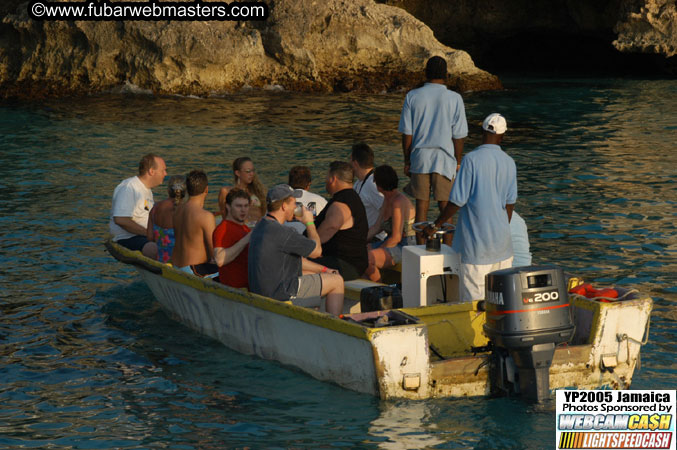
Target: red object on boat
588 291
581 289
608 293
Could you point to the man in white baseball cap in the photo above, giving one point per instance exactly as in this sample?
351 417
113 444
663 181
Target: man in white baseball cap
485 192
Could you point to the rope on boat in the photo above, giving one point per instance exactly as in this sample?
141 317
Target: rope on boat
607 299
645 339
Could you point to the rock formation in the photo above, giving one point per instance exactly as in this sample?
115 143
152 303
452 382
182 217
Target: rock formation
648 26
311 45
582 33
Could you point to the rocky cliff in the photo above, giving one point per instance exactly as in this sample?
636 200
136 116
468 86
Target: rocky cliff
311 45
648 26
554 34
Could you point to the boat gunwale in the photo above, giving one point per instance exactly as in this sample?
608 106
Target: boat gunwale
307 315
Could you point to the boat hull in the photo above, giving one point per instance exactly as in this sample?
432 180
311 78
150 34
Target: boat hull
427 358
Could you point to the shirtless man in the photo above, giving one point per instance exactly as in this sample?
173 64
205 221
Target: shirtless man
193 228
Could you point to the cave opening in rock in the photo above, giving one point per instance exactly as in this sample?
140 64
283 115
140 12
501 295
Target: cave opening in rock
557 53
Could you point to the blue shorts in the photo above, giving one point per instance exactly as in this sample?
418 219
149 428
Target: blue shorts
133 243
204 270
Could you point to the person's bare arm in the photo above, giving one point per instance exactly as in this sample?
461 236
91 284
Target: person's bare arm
311 231
458 150
223 193
378 225
444 216
129 225
509 209
312 267
395 237
149 229
208 231
223 256
337 215
406 150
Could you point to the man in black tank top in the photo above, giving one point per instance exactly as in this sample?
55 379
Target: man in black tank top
342 225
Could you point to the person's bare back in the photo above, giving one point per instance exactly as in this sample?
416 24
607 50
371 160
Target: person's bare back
193 229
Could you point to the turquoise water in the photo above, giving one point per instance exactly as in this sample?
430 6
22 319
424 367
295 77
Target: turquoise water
89 360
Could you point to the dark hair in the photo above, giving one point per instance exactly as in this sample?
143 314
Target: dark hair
237 193
436 68
386 178
299 177
147 163
176 188
196 182
256 187
363 155
342 170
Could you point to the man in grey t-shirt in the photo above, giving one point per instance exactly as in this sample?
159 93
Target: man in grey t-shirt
278 266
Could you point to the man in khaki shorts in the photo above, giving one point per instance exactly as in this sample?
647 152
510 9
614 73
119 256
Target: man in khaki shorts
433 127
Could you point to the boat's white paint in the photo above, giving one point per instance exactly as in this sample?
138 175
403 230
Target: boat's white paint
321 352
420 280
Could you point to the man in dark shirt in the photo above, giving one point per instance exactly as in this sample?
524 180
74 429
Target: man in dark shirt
278 267
342 225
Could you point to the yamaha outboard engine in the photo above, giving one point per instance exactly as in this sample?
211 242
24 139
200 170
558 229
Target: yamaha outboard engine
527 315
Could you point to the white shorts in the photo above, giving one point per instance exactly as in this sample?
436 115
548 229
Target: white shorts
471 279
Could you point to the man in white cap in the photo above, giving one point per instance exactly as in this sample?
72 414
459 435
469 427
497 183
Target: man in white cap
485 191
278 266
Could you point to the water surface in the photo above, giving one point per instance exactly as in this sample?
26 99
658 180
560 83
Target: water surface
89 360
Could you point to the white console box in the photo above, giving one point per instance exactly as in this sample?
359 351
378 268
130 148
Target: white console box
419 265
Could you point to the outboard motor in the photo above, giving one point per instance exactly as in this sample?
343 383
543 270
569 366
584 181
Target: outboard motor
527 314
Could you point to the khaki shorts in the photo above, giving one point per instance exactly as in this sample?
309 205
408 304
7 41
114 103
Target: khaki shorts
310 288
423 183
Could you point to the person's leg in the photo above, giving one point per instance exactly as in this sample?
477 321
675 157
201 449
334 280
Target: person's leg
149 250
333 289
441 186
471 281
449 236
377 260
421 216
141 244
420 188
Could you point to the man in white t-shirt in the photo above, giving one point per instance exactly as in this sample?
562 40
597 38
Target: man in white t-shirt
132 201
299 178
362 160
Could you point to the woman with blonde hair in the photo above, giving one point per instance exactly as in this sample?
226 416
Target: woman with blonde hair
160 219
246 179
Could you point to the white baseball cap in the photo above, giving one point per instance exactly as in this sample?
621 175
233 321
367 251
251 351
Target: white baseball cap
495 123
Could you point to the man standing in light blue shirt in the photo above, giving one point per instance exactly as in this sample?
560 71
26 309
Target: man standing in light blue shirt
485 192
433 127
